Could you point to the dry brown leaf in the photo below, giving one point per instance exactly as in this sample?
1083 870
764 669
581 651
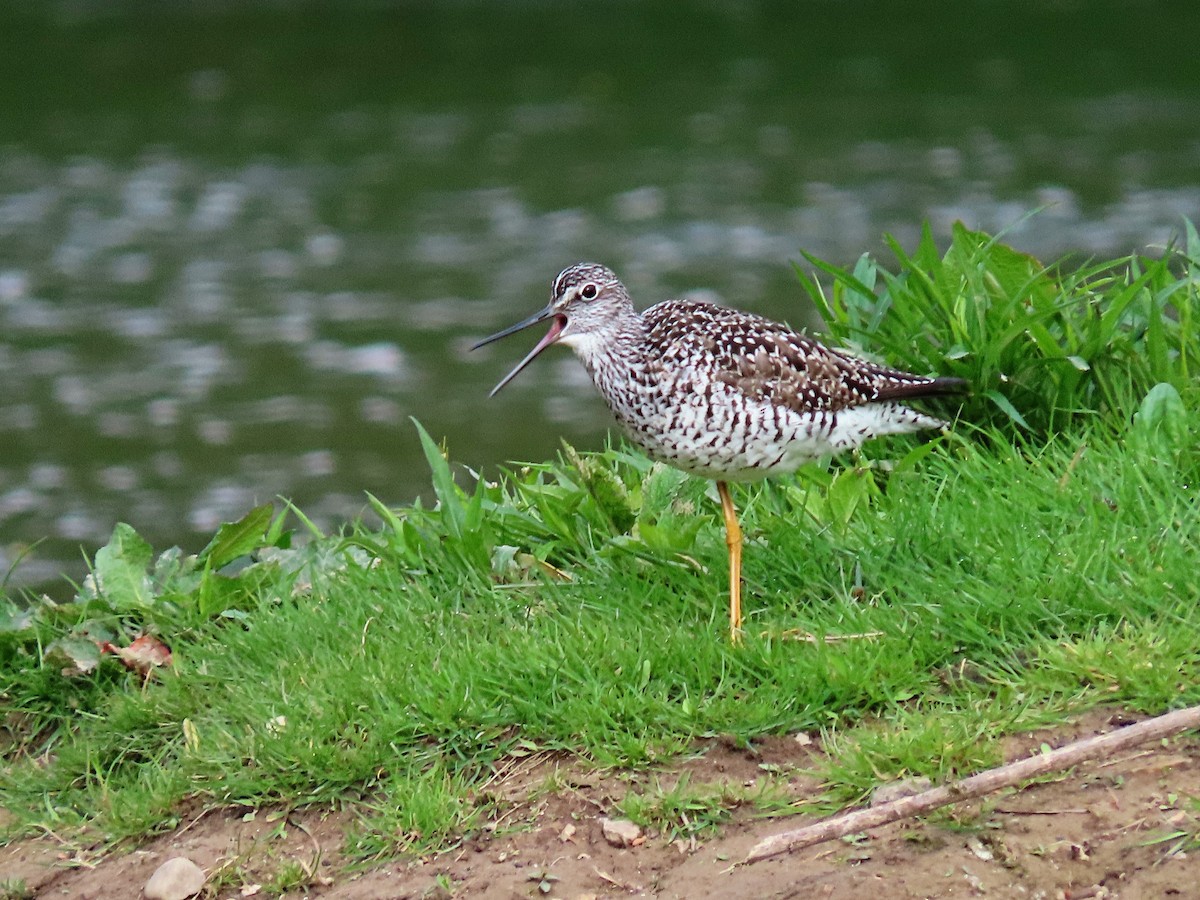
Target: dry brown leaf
143 655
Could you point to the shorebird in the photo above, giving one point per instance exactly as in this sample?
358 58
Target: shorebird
720 393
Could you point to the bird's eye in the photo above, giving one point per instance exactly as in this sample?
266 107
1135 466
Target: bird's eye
588 292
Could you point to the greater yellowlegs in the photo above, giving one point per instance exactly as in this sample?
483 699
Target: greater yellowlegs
721 393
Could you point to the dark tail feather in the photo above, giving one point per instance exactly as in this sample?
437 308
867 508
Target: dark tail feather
934 387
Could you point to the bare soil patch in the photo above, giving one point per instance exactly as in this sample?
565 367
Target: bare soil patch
1092 832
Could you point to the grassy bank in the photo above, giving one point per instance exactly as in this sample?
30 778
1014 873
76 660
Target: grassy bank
1041 558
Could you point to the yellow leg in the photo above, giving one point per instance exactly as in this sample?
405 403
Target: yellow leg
733 538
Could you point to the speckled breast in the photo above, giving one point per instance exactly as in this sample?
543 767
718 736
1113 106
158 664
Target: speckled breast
711 429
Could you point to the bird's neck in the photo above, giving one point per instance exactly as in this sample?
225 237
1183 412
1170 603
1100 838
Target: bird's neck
618 344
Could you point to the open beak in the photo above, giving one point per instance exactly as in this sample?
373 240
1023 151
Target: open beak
560 322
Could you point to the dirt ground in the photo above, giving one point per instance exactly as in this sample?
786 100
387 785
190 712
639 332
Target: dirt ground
1096 832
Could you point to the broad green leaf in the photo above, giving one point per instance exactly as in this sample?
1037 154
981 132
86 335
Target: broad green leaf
1162 412
217 594
672 533
120 569
236 539
850 488
70 650
176 572
660 487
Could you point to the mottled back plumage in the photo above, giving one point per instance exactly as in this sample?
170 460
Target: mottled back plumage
769 361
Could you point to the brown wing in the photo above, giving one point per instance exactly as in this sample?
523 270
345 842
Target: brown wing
769 361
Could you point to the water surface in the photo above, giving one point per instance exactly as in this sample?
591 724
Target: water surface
240 245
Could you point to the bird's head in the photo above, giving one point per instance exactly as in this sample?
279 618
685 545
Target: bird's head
584 299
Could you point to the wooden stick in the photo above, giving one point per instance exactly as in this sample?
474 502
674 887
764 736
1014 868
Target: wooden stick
1072 754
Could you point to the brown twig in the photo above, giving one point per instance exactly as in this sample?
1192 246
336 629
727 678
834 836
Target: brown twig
977 785
796 634
309 869
625 886
1066 476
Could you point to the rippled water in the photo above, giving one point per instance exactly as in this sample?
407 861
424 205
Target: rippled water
238 250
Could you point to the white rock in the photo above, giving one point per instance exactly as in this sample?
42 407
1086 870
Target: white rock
620 832
176 879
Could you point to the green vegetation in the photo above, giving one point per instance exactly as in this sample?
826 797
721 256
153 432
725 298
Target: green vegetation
983 582
686 810
1042 347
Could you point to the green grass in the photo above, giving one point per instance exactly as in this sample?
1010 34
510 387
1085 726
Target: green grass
15 889
579 606
683 810
1063 578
